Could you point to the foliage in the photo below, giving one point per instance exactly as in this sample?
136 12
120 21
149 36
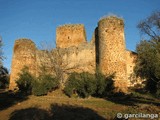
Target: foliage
105 85
1 53
4 77
86 84
158 91
71 84
150 26
57 64
43 84
24 82
83 84
38 86
148 61
100 80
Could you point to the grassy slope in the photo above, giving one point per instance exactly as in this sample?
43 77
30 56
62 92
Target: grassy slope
92 106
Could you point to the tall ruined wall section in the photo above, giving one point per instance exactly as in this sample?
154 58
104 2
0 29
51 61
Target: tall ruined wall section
70 35
24 53
112 56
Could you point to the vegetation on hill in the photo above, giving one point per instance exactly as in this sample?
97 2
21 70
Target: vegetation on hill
78 84
86 84
41 85
4 77
148 61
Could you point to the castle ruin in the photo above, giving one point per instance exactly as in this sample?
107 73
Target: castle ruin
106 51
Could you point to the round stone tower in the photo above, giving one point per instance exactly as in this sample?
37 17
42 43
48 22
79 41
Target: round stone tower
24 54
112 48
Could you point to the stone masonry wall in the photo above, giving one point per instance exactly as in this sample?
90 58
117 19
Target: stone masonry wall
106 51
70 35
76 59
24 53
112 57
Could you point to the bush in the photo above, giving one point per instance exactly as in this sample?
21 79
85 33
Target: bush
101 84
83 84
158 91
71 84
24 82
43 84
105 85
86 84
4 77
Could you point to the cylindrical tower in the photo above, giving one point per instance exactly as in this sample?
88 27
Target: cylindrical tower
24 54
112 48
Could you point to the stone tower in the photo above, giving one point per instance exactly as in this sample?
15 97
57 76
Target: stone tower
70 35
112 49
24 54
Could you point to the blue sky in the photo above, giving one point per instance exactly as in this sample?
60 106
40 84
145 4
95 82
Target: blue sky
38 19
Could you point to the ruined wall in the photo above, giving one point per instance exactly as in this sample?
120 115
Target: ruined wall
112 58
70 35
131 59
106 51
133 80
24 53
80 58
75 59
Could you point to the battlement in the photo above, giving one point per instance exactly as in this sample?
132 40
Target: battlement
70 35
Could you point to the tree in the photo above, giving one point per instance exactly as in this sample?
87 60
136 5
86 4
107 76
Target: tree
151 26
4 77
55 63
148 60
24 82
1 53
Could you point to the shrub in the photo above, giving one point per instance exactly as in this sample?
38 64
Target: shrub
86 84
109 85
83 84
4 77
24 82
43 84
158 91
101 84
71 84
105 85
